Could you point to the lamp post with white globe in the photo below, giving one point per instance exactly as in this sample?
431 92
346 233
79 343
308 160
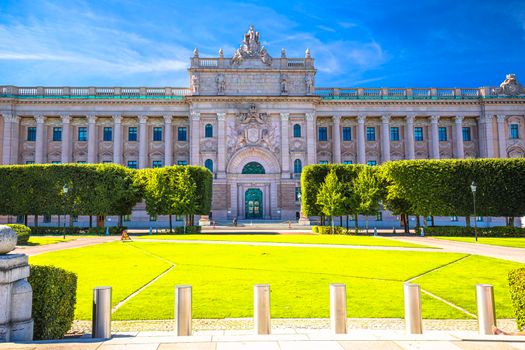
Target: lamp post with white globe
473 188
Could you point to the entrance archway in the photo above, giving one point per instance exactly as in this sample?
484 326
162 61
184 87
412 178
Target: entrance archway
253 200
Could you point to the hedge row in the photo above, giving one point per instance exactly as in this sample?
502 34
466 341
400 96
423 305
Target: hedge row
461 231
41 230
327 230
189 229
22 232
517 295
54 299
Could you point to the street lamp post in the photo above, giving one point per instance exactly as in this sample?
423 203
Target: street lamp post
473 188
65 189
300 206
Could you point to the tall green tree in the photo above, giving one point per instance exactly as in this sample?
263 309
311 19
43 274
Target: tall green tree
183 199
368 190
330 197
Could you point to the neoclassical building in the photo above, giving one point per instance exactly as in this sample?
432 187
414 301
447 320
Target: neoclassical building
255 121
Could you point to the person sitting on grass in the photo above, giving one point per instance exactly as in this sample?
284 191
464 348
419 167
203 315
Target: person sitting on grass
497 331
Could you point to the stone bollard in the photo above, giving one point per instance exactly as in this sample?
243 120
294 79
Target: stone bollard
16 294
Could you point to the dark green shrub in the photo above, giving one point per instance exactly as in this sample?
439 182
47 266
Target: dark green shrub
54 299
517 295
189 229
462 231
22 231
41 230
327 230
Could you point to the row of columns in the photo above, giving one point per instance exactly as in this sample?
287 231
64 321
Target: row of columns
409 139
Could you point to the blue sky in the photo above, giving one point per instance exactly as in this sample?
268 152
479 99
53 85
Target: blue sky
355 43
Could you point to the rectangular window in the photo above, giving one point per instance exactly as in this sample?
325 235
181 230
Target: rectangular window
182 134
323 134
127 217
108 133
81 162
379 216
394 133
55 162
453 218
372 162
20 219
157 133
153 218
57 133
418 133
466 133
182 162
297 193
514 134
82 133
75 218
132 133
179 217
442 133
132 164
106 162
348 162
47 219
30 162
157 163
370 133
31 133
347 133
479 219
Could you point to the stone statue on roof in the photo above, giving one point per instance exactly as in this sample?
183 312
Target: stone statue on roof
251 48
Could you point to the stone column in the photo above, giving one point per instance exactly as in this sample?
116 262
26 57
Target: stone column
195 138
460 153
143 141
92 139
168 140
117 139
311 144
10 140
502 142
385 138
336 135
66 139
221 142
41 144
285 146
489 136
410 136
434 120
361 139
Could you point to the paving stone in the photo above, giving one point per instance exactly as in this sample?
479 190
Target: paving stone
366 345
427 345
255 345
310 345
188 346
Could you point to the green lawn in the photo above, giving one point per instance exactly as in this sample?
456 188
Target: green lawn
223 276
505 242
291 238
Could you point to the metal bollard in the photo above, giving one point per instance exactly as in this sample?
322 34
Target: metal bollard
338 308
261 308
101 324
183 310
486 308
375 231
422 232
413 321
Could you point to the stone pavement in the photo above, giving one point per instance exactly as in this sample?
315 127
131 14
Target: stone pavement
285 339
493 251
77 243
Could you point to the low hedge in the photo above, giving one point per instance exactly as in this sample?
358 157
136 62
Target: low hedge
54 299
42 230
22 231
517 295
327 230
462 231
189 229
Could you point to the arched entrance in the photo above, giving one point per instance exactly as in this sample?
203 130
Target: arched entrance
253 199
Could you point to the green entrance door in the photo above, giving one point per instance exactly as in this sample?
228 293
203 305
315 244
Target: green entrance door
253 203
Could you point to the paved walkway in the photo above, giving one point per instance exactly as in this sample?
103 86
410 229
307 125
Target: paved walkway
286 340
493 251
77 243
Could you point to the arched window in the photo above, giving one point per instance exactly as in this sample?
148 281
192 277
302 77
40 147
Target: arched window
208 130
208 163
297 166
297 130
253 168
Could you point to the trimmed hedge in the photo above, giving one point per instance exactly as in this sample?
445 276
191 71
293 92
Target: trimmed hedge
517 295
327 230
189 229
42 230
461 231
22 231
54 299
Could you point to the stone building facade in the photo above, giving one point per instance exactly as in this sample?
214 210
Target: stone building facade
255 121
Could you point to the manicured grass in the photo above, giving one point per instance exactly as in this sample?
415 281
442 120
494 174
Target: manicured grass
291 238
44 240
456 282
505 242
116 264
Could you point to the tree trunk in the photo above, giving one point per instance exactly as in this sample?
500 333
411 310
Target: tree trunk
171 224
418 222
333 224
340 221
347 223
407 223
25 220
356 216
36 220
90 221
467 221
432 221
366 224
120 221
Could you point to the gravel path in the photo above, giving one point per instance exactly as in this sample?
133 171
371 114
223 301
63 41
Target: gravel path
77 243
